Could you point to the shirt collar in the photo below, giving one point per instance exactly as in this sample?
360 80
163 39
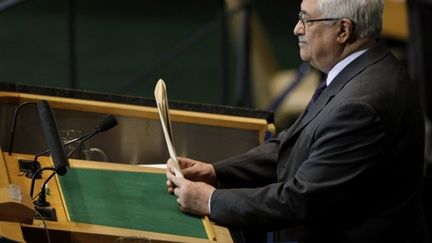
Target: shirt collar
342 64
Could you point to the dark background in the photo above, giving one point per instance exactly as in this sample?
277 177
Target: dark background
118 40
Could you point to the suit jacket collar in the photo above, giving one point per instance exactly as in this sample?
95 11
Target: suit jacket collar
370 57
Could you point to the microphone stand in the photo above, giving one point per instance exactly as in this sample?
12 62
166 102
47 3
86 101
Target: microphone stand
42 202
85 138
32 166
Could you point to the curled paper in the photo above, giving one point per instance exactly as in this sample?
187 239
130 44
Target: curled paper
161 97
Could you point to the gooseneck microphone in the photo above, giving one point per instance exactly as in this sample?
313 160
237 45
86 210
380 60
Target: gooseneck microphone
55 146
56 149
106 124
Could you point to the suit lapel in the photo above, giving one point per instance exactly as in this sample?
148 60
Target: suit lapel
370 57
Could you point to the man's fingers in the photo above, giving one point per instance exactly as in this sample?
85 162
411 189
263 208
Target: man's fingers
170 165
170 186
176 191
171 182
176 180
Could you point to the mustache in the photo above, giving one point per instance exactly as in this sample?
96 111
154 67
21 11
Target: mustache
301 40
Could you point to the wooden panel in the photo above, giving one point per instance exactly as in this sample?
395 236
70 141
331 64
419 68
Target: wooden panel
11 231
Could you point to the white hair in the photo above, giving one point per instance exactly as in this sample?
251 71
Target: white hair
365 14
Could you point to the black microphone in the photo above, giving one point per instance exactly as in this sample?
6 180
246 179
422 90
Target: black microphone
56 149
52 136
106 124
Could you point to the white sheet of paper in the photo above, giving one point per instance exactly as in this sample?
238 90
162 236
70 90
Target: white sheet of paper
161 97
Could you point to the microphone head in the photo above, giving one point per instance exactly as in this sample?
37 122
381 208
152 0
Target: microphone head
107 123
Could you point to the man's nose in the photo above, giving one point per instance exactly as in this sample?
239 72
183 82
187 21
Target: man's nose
298 29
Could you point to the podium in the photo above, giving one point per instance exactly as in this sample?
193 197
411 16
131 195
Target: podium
82 213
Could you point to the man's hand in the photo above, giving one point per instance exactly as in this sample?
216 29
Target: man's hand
192 197
193 170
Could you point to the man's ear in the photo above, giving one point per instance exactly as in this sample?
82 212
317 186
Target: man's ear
345 30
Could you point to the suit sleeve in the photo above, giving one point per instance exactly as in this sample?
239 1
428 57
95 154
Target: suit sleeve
254 168
344 145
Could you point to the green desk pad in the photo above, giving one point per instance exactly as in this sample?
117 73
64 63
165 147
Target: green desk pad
132 200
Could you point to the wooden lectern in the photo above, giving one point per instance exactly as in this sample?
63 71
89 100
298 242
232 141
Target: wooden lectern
100 201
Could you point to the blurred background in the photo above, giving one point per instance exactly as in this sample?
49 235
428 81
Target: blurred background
202 49
238 53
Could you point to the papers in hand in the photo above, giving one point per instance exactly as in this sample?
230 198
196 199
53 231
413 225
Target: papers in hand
161 97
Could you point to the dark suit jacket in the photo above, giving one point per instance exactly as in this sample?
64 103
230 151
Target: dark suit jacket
348 170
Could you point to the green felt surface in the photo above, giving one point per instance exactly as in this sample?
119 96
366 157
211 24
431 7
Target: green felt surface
130 200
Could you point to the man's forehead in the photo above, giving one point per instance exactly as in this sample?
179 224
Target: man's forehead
308 7
304 13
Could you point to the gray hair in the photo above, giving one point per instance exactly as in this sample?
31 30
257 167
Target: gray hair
366 14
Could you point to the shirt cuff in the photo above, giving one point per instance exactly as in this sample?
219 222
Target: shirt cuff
209 202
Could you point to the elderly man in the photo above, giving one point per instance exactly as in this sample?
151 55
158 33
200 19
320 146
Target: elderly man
350 168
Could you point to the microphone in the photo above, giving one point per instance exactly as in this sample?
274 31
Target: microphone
52 136
56 149
33 165
106 124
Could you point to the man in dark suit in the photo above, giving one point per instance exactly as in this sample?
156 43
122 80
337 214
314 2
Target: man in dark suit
350 168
